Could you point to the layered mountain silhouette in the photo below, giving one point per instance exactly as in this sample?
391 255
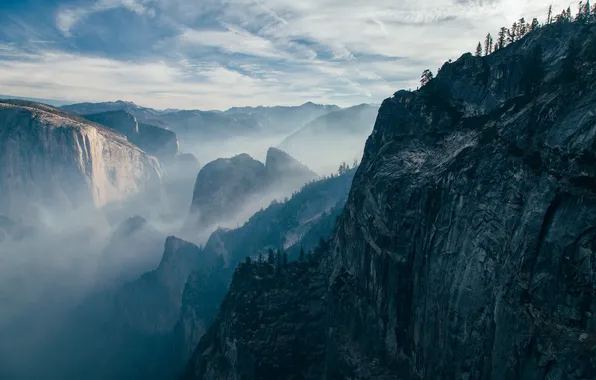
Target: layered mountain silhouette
199 126
339 136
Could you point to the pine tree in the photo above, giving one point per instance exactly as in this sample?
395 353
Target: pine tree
523 27
535 25
502 37
270 257
301 258
479 50
581 15
488 44
285 259
549 18
512 33
248 260
426 77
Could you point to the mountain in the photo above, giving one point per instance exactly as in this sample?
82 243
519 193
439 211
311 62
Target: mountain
51 102
340 134
143 114
148 327
228 187
466 247
301 221
156 141
281 119
56 161
197 126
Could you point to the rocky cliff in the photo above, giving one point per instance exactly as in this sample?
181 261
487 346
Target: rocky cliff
156 141
57 161
228 187
466 247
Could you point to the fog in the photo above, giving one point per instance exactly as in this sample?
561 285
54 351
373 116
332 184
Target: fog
52 263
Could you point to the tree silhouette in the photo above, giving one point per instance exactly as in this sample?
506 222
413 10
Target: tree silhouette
270 257
301 257
488 44
534 25
502 38
479 50
512 33
549 18
426 77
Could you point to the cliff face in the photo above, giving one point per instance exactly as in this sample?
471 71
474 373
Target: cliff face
57 161
228 187
270 327
466 247
156 141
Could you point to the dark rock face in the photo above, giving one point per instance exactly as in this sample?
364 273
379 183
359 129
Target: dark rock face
270 327
466 247
157 141
241 184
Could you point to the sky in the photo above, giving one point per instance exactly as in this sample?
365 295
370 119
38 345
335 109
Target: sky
208 54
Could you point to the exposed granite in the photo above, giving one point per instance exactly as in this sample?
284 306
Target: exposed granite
466 247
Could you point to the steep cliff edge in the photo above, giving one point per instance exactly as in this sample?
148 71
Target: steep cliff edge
466 247
58 161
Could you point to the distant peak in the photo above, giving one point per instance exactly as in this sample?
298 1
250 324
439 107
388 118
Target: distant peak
173 245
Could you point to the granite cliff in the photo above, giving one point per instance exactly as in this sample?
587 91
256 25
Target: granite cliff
228 187
57 161
466 247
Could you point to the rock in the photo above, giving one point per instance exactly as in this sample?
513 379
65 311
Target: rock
228 187
156 141
56 161
464 248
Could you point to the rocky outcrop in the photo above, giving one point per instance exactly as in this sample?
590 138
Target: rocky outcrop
228 187
466 247
56 161
283 167
223 187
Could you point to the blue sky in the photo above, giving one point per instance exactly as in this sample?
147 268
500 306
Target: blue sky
217 54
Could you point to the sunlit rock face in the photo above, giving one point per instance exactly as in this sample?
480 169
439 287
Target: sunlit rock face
466 247
57 161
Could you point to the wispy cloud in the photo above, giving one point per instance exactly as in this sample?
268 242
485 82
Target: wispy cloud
222 53
68 17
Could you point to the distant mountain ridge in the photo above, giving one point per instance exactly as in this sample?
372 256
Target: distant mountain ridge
207 124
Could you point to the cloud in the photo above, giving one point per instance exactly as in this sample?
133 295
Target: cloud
223 53
231 40
67 18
